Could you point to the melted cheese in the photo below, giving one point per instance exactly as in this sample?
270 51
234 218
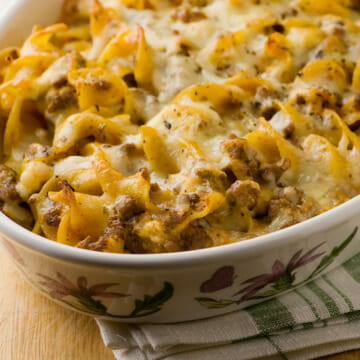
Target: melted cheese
174 125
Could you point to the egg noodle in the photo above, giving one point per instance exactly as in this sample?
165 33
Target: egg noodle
146 126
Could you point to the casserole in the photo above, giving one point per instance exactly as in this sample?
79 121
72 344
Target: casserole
205 282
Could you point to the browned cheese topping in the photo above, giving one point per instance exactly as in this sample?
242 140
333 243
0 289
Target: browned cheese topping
148 126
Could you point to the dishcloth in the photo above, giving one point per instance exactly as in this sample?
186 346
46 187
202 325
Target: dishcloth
318 319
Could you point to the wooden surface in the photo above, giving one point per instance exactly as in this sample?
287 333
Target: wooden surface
34 328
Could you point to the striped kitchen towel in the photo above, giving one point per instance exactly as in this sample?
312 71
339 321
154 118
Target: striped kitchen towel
320 318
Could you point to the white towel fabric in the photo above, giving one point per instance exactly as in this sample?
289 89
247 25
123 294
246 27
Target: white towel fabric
320 318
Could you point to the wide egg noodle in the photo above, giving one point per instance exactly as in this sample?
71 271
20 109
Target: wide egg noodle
146 126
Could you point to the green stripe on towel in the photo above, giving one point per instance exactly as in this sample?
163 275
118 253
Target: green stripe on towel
352 267
311 305
277 347
325 298
355 315
346 299
271 316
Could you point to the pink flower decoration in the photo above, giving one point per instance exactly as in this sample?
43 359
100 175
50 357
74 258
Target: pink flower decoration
62 286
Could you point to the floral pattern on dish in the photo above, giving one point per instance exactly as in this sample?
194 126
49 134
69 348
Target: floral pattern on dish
280 279
10 248
61 287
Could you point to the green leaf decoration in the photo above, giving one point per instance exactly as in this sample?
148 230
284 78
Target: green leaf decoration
266 294
151 304
283 283
338 249
94 306
328 259
213 303
82 308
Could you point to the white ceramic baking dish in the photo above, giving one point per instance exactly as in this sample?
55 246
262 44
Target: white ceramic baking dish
177 286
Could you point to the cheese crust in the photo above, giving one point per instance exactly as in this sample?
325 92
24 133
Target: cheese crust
147 126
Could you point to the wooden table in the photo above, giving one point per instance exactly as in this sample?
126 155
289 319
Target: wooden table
34 328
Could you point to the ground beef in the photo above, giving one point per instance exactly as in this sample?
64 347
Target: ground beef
131 149
356 102
244 163
283 213
8 179
13 55
272 173
244 193
200 3
130 80
236 148
217 180
188 15
195 237
119 226
98 84
290 193
174 217
53 216
60 82
289 130
144 171
35 151
243 159
126 208
194 199
114 229
60 98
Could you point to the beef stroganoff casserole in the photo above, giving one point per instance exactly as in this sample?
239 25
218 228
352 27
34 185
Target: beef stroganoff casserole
147 126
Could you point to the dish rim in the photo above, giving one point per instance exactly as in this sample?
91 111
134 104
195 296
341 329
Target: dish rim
244 248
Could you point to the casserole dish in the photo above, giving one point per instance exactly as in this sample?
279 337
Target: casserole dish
178 286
